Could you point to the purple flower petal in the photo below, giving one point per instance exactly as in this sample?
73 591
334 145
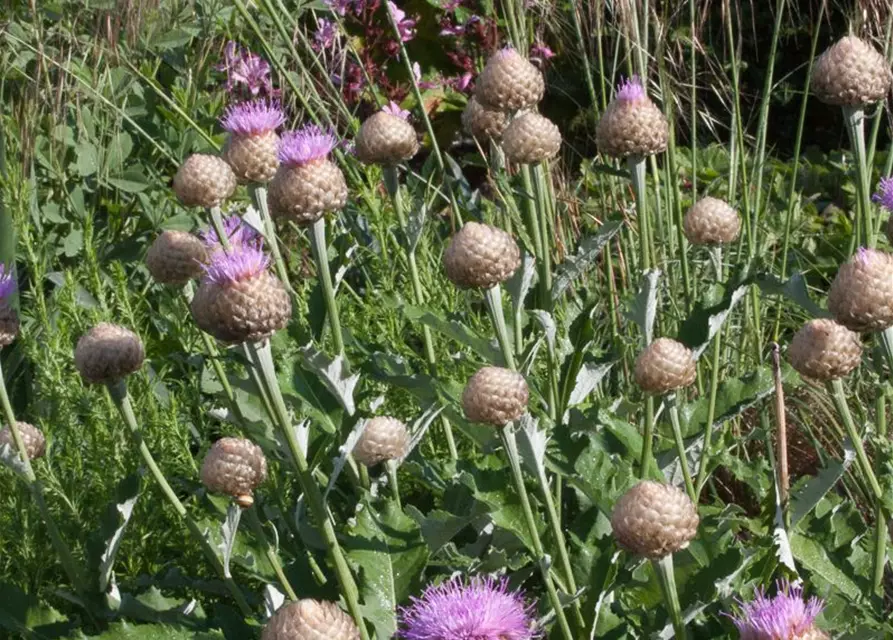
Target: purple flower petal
784 616
241 265
239 234
631 90
884 195
7 282
305 145
253 118
395 110
246 70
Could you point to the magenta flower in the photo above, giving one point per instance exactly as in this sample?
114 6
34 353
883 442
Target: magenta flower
326 33
782 617
477 609
339 6
253 118
631 90
237 266
246 71
405 26
884 195
450 5
541 52
305 145
7 282
417 74
451 30
395 110
463 82
241 236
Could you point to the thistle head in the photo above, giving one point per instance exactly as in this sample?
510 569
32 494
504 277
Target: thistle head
784 616
7 282
631 90
239 234
482 608
225 269
253 118
305 145
884 195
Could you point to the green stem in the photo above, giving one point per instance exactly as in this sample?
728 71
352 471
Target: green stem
535 231
636 167
511 450
263 361
648 437
880 524
259 197
273 557
119 395
392 477
673 410
855 127
707 445
320 255
65 556
667 578
494 303
219 229
839 396
544 218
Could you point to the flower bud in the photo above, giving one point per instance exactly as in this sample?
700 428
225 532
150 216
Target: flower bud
711 222
32 437
236 467
665 365
495 396
204 181
850 73
310 620
384 438
509 82
530 139
654 520
176 257
824 350
861 296
632 125
252 147
481 256
108 353
386 138
482 123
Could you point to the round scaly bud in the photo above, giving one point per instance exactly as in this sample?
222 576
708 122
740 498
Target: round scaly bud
632 125
307 184
824 350
509 82
711 221
176 257
384 438
32 437
851 73
204 181
9 319
386 137
654 520
495 396
108 353
239 300
861 296
253 145
236 467
481 256
531 138
665 365
483 123
813 633
310 620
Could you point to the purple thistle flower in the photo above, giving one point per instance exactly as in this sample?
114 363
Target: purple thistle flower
884 195
479 609
7 282
631 90
326 33
865 256
305 145
225 268
781 617
541 52
405 26
506 52
247 70
253 118
339 6
394 109
240 235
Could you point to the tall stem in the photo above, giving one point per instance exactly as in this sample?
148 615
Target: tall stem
494 303
667 577
392 478
647 437
707 446
673 410
119 395
258 529
259 197
636 166
535 230
855 127
544 215
263 361
320 255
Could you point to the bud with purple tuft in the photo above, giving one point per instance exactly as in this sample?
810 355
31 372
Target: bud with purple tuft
483 608
495 396
204 181
654 520
252 147
861 296
32 437
632 125
310 620
386 137
9 319
239 300
481 256
108 353
384 438
786 615
509 82
176 257
851 73
824 350
235 467
530 139
307 184
665 365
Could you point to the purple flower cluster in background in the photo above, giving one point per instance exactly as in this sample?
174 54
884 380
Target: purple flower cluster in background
239 234
247 74
305 145
7 282
784 616
406 26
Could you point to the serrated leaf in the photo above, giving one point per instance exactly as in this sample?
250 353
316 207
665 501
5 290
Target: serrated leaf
532 442
548 325
344 451
10 458
589 249
643 309
794 289
817 486
334 374
117 518
814 557
590 374
700 327
228 531
273 600
518 286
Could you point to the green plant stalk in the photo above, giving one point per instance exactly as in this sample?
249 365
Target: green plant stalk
392 478
511 450
667 578
880 529
320 255
584 55
512 24
65 556
707 446
263 361
120 397
544 218
273 557
673 410
647 437
534 229
879 113
258 194
855 128
392 184
636 165
693 63
493 297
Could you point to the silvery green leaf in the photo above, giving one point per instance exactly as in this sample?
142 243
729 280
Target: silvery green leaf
302 434
228 530
518 286
780 534
107 559
688 615
11 458
344 451
643 309
532 445
530 360
590 374
587 252
346 263
333 374
548 324
716 320
415 225
273 599
817 486
252 218
794 289
376 403
419 428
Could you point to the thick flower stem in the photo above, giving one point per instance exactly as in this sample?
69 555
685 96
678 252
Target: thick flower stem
511 450
707 445
263 361
535 231
855 127
259 197
545 217
667 578
320 255
65 556
636 165
494 304
119 395
392 184
880 523
673 410
258 529
392 478
647 437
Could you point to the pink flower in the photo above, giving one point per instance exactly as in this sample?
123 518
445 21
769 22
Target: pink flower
225 269
246 71
417 74
395 110
405 26
541 52
305 145
784 616
631 90
326 33
239 235
450 5
463 82
253 118
7 282
339 6
450 30
884 195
